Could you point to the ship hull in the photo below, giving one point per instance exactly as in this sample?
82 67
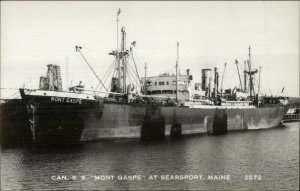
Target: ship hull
136 121
54 119
14 124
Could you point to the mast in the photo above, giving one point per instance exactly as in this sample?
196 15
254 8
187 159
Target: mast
118 29
118 55
245 76
259 81
122 68
236 62
177 63
223 78
121 59
145 84
123 56
250 74
67 80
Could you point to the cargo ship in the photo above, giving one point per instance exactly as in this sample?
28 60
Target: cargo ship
140 107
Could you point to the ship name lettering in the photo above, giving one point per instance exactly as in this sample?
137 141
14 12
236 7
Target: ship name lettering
130 177
66 100
58 99
104 177
73 100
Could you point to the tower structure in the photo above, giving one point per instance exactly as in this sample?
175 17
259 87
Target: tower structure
52 81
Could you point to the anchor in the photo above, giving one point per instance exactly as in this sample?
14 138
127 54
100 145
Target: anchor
32 122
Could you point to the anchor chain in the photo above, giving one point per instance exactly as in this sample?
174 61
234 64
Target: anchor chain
32 120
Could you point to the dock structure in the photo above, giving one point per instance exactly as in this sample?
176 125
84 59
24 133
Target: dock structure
291 116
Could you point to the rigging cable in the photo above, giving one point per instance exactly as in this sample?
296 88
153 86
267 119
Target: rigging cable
135 65
138 61
108 85
78 49
107 72
107 77
129 77
131 71
261 86
135 76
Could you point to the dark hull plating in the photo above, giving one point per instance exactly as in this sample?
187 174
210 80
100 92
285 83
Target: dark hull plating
14 122
42 120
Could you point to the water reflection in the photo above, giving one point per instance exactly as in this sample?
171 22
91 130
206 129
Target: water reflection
272 153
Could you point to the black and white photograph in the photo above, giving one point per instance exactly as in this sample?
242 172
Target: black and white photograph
149 95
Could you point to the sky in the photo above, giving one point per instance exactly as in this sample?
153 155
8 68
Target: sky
37 33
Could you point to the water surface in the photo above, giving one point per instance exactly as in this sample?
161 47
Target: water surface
272 154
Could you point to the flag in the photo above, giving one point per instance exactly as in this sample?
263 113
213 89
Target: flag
119 12
133 43
77 48
282 90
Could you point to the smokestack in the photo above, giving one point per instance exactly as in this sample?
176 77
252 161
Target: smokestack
206 75
209 87
218 82
215 82
54 77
